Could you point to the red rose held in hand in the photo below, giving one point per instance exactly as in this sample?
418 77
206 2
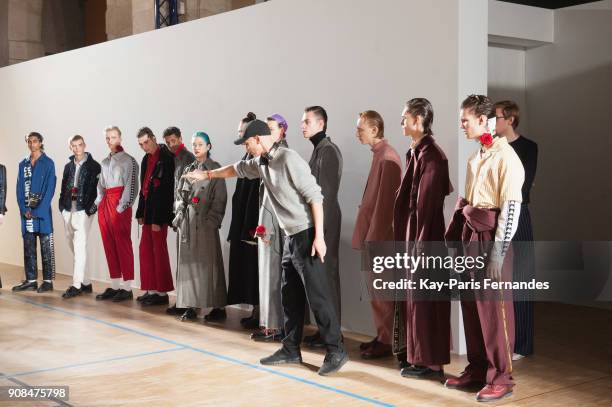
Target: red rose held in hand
260 231
195 200
486 139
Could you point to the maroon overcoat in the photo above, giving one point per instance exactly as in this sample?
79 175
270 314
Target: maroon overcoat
419 217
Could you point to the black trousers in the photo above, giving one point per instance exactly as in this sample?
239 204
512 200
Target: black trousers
304 278
524 270
47 251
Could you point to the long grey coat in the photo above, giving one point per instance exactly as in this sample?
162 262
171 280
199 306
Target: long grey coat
270 254
326 166
200 277
181 160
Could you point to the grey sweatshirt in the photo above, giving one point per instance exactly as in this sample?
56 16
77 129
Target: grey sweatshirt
290 186
119 170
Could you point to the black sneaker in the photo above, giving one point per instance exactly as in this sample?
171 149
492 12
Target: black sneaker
282 357
189 315
422 372
333 362
26 286
87 288
173 310
216 315
155 299
72 291
108 294
123 295
44 287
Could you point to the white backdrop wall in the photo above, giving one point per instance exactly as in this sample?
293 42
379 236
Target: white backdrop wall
280 56
569 84
506 80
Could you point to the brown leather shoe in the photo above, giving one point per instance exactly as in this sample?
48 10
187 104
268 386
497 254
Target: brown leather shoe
377 351
494 392
465 380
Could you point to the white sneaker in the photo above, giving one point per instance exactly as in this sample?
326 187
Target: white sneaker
517 356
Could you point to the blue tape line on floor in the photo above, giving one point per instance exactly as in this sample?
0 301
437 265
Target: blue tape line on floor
203 351
52 369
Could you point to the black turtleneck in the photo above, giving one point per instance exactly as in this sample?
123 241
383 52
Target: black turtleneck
316 139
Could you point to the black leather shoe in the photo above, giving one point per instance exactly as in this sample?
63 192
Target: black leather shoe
87 288
282 357
270 336
402 360
143 297
72 291
123 295
250 323
25 286
155 299
108 294
402 364
368 345
44 287
216 315
421 372
333 362
314 341
189 315
173 310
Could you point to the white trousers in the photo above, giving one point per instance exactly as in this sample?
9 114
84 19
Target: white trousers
77 225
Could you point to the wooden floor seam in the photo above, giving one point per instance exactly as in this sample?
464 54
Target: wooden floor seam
206 352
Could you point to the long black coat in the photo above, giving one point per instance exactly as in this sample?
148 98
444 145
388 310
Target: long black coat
157 208
243 262
2 189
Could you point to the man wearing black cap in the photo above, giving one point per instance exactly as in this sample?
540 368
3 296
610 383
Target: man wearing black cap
297 202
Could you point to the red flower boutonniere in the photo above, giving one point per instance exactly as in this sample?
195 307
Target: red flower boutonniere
74 190
260 231
195 200
486 139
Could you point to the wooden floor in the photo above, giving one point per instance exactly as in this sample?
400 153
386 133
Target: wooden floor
122 354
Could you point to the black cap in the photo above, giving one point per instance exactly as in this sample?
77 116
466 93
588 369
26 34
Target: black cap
254 128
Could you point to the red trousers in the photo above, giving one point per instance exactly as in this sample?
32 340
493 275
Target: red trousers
488 317
116 230
489 333
155 272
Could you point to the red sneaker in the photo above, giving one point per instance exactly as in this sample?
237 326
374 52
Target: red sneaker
494 392
465 380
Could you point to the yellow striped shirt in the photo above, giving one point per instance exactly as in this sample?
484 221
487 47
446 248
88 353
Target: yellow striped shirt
494 176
